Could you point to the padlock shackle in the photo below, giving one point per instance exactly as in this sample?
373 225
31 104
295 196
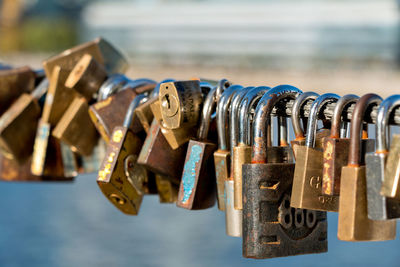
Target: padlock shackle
363 104
222 85
137 101
248 102
156 90
261 136
41 89
111 86
344 102
315 110
385 109
222 112
205 120
298 104
234 115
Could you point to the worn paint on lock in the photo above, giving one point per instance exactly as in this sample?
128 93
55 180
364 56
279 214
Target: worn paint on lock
40 148
189 172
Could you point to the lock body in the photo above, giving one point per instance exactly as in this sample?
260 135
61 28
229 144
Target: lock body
222 159
241 155
336 154
158 157
390 185
197 189
379 207
18 127
145 115
321 134
354 224
233 217
307 182
271 228
180 103
69 128
113 175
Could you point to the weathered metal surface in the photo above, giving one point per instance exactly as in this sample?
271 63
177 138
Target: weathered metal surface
233 217
197 189
390 185
241 155
270 226
222 160
167 191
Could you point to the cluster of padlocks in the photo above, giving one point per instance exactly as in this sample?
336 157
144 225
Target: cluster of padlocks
198 142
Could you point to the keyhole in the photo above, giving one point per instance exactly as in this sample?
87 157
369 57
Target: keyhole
168 101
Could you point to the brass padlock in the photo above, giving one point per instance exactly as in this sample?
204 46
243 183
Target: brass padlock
353 223
198 184
57 100
100 49
13 83
222 155
120 178
86 77
336 148
233 217
110 112
307 181
242 150
390 185
18 125
381 207
298 120
167 190
180 103
70 127
143 112
271 228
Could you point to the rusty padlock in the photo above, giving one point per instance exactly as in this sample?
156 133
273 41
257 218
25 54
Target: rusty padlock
120 178
307 181
381 207
271 228
18 125
101 50
118 93
353 222
86 77
198 184
242 151
390 185
167 190
233 217
13 83
69 128
222 155
336 148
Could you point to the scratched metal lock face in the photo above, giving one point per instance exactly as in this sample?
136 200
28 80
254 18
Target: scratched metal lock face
197 189
112 178
280 230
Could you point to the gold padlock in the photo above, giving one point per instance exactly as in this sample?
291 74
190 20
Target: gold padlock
353 223
100 49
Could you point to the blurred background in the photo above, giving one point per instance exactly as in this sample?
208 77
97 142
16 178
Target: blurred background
333 45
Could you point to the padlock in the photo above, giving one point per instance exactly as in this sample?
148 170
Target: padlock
13 83
70 127
353 223
222 155
167 190
390 185
307 181
233 217
180 103
271 228
91 163
242 150
18 125
381 207
109 113
297 113
336 148
57 101
158 156
86 77
143 112
120 178
198 184
101 50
